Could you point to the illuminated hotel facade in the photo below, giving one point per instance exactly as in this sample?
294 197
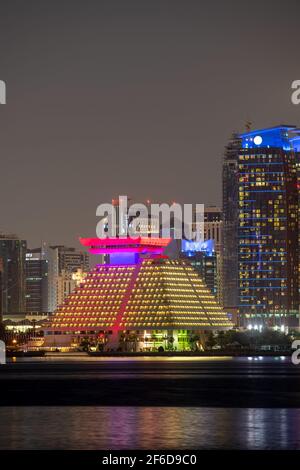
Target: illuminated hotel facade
267 236
140 300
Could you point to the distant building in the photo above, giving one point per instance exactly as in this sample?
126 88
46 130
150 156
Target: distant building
12 255
212 232
63 263
213 226
230 225
70 259
66 283
36 280
203 258
49 275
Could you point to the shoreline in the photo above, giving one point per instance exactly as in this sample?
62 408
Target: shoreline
191 354
208 354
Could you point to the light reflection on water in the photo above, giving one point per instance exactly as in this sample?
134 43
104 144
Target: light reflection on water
65 358
148 428
86 358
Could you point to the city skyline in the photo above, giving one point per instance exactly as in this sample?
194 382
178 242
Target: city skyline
149 231
137 100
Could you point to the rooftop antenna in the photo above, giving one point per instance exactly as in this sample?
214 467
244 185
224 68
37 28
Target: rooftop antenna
248 125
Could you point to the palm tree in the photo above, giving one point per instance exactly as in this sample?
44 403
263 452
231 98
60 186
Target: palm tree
211 341
193 339
132 339
84 344
170 342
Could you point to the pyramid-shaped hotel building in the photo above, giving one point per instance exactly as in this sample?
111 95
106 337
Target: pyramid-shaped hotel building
141 300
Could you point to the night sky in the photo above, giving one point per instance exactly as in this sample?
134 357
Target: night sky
132 97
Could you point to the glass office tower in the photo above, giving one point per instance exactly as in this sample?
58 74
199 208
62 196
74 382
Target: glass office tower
268 253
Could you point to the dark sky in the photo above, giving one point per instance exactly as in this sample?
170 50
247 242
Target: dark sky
132 97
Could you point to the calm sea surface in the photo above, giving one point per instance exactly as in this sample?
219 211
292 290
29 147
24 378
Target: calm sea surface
148 428
238 425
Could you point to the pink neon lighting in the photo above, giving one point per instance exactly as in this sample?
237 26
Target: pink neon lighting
125 241
125 245
130 286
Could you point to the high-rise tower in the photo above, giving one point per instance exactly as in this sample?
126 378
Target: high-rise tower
230 224
36 280
12 255
268 255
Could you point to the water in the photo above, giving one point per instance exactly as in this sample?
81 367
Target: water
148 428
82 357
176 403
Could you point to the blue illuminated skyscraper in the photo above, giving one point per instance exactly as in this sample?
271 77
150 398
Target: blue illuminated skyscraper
203 257
268 253
296 144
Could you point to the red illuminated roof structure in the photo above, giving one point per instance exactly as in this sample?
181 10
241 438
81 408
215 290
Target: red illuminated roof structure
125 245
